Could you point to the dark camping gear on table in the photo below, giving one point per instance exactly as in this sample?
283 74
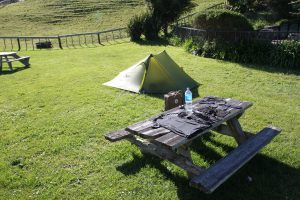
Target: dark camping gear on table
205 113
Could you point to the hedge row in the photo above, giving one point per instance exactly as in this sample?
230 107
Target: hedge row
221 19
283 55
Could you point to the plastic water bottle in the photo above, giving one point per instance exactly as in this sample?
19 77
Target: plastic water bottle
188 96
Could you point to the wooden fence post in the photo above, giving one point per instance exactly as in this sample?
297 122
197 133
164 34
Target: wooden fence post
59 42
19 45
99 40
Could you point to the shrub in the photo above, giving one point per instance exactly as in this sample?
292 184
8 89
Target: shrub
239 5
135 27
151 27
165 12
220 19
189 45
284 55
175 41
143 24
287 55
281 7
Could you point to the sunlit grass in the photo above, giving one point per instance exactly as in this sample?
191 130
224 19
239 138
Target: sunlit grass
54 116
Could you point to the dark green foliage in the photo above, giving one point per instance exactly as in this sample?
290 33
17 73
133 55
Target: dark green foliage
161 13
221 19
151 27
164 12
287 55
167 11
143 24
189 45
135 27
239 5
284 55
281 7
247 5
295 10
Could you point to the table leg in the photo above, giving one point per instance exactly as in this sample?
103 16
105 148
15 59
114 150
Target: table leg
186 152
15 56
181 159
237 131
9 63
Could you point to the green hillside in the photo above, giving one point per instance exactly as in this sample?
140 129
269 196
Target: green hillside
52 17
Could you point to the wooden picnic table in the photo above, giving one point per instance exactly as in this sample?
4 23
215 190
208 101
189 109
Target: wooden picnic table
9 57
168 145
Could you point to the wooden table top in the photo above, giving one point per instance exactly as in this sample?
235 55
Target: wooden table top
7 53
172 140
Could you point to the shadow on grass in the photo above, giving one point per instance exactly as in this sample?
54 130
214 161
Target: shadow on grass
270 178
18 69
158 42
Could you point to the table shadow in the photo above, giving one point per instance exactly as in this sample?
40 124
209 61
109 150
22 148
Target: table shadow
261 178
15 70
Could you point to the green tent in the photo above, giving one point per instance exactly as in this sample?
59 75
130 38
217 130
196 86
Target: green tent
154 74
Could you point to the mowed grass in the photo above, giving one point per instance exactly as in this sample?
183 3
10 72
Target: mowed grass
54 17
54 115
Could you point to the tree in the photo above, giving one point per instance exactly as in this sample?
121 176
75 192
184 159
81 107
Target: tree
295 6
165 12
281 7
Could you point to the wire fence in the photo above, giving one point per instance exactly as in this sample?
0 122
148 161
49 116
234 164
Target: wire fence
276 37
18 43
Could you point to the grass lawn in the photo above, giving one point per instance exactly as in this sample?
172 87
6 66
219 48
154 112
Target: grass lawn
54 115
53 17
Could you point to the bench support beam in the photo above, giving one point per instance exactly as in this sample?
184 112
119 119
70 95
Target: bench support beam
182 159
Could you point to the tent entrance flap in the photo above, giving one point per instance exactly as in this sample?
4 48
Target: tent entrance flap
155 74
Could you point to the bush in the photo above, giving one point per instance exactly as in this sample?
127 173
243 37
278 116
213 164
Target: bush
281 7
175 41
224 20
145 25
239 5
135 27
151 27
189 45
284 55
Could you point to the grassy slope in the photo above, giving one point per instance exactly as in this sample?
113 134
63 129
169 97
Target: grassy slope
52 17
54 116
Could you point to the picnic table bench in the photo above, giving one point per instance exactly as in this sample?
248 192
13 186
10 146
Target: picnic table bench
168 145
9 57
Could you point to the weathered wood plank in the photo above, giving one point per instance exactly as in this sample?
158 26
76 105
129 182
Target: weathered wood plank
170 139
215 175
117 135
140 126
